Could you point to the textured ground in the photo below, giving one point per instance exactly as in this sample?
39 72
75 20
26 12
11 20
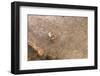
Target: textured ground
70 40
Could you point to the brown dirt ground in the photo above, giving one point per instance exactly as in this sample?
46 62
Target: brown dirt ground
70 37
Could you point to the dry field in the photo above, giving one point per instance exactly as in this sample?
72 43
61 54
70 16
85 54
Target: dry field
57 37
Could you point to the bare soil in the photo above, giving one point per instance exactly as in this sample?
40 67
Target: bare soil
69 37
